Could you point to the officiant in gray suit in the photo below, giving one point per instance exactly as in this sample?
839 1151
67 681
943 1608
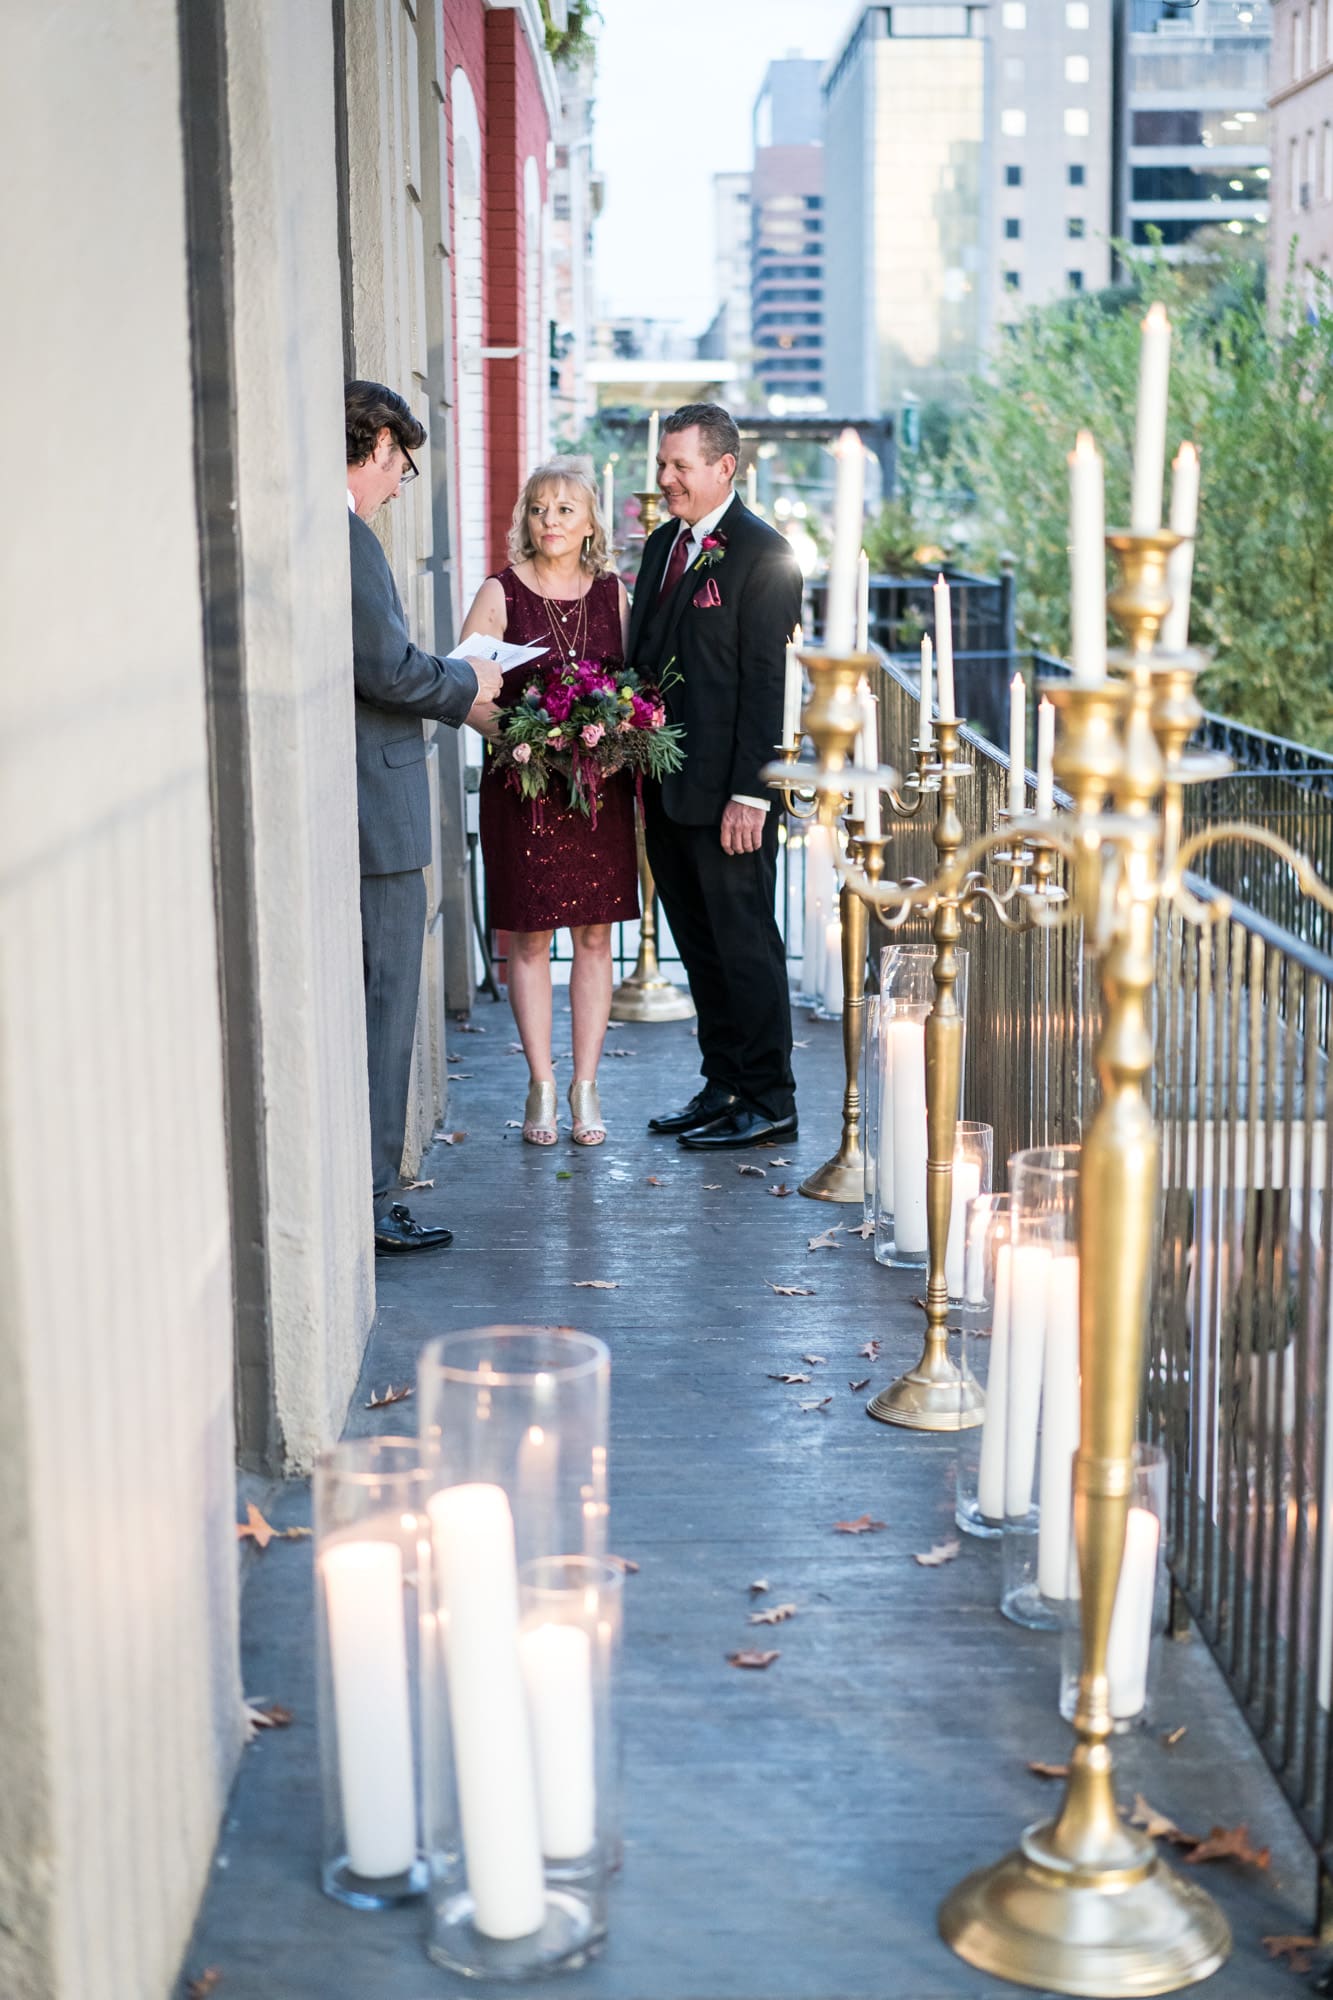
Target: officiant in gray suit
398 686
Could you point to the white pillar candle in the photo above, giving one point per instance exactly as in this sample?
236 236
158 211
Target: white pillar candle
609 498
884 1162
908 1039
791 694
975 1276
1132 1614
363 1592
1045 759
923 720
1059 1427
944 650
752 486
1087 561
1018 744
832 985
650 477
557 1673
812 933
848 499
1145 507
966 1186
1175 633
1027 1341
862 602
473 1534
990 1473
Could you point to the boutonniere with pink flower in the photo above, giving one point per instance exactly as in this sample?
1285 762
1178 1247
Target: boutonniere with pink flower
711 550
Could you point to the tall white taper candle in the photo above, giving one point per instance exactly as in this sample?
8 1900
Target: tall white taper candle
848 499
944 650
791 694
923 720
1018 743
1175 633
1145 507
862 602
1045 759
650 476
752 486
1087 561
1130 1641
609 499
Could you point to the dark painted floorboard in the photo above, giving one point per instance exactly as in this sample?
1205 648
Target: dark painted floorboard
789 1834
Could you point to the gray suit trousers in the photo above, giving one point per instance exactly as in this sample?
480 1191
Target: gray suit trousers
393 919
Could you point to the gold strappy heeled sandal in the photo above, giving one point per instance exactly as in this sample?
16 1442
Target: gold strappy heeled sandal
586 1111
539 1115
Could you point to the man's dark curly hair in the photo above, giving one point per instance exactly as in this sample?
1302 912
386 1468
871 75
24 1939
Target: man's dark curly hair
370 409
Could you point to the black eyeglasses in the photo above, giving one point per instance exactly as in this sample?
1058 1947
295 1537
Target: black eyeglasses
411 472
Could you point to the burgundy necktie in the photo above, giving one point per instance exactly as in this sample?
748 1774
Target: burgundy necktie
675 568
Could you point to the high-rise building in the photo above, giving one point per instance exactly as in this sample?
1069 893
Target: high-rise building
728 335
576 202
967 162
1301 128
787 236
1194 150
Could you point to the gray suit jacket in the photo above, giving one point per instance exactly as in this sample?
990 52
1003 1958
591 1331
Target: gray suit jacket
397 688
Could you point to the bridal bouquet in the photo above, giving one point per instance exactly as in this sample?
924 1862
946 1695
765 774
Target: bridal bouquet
584 722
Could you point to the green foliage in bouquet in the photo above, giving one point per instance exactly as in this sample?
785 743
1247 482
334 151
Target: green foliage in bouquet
582 723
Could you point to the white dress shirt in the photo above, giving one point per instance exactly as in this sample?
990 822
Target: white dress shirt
694 534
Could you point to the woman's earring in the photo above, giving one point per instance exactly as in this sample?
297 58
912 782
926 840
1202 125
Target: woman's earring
587 547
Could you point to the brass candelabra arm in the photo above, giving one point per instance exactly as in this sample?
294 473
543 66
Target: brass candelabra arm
1204 911
978 894
800 804
918 784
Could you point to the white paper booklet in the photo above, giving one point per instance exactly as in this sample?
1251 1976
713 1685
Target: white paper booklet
480 646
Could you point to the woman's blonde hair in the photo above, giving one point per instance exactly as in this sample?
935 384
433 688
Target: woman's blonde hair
574 472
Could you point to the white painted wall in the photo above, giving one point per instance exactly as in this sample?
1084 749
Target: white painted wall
118 1582
293 515
468 306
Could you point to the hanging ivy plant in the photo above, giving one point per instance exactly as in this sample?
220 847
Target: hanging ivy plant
574 41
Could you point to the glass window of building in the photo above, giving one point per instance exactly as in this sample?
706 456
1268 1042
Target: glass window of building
1327 188
1013 176
1013 281
1013 228
1314 34
1075 226
1307 189
1076 14
1077 69
1294 175
1297 43
1013 69
1078 174
1077 122
1014 14
1013 124
1074 280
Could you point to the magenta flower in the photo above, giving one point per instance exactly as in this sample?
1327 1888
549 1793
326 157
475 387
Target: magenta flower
642 713
522 753
592 734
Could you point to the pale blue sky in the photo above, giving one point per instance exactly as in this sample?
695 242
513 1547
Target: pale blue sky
676 83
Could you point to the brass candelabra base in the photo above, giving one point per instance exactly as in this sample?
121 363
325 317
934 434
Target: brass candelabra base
646 994
933 1396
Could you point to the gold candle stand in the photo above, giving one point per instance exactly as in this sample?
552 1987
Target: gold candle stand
842 1178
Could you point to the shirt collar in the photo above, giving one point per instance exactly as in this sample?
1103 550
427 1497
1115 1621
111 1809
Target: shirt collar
351 501
709 521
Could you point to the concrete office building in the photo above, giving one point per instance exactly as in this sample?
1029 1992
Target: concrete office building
787 237
727 337
1301 129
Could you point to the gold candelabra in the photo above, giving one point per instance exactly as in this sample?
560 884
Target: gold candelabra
646 994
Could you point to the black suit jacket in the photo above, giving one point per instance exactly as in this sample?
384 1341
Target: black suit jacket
397 688
721 669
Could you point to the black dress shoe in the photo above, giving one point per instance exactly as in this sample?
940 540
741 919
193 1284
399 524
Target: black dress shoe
399 1230
740 1127
706 1105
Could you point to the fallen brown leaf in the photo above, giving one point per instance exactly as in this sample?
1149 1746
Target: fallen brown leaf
513 1048
458 1076
822 1404
208 1981
513 1124
1173 1736
815 1360
596 1284
415 1187
863 1230
862 1525
1229 1843
452 1055
780 1189
857 1387
757 1171
655 1180
1297 1951
800 1045
265 1715
622 1052
777 1614
760 1584
1040 1770
790 1291
943 1552
788 1378
1157 1826
870 1350
779 1163
256 1527
751 1659
391 1395
625 1564
453 1138
712 1187
827 1239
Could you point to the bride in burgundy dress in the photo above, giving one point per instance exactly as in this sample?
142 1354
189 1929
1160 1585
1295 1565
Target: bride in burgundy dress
559 591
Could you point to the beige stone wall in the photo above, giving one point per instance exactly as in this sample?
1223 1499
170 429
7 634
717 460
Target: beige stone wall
293 517
1300 148
118 1621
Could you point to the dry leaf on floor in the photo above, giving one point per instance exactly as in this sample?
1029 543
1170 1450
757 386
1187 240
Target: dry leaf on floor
815 1360
789 1378
857 1387
943 1552
208 1981
265 1715
452 1055
870 1350
800 1045
458 1076
1298 1952
780 1189
415 1187
779 1163
451 1138
655 1180
865 1230
513 1124
625 1564
622 1052
778 1614
391 1395
467 1028
822 1404
758 1172
1229 1843
827 1239
255 1527
1040 1770
563 1174
862 1525
1156 1825
750 1659
712 1187
790 1291
596 1284
1173 1736
514 1049
760 1584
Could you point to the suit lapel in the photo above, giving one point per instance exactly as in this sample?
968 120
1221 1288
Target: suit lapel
688 584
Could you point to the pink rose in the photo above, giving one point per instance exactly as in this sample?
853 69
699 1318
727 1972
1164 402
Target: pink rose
592 734
522 753
624 728
659 716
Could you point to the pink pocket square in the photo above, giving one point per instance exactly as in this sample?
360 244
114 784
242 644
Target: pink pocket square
707 597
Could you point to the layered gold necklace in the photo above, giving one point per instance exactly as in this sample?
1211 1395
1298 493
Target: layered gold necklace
566 642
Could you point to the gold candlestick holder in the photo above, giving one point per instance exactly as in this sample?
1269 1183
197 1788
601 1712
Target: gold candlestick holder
842 1178
650 508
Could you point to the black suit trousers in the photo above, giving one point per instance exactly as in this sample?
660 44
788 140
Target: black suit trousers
720 909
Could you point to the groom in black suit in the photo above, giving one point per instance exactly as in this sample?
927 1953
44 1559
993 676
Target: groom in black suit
717 597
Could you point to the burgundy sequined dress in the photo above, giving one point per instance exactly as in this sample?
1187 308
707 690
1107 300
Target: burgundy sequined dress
562 870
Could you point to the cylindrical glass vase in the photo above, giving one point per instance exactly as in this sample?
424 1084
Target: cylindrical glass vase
974 1145
1142 1603
513 1435
577 1742
1042 1384
371 1587
906 997
983 1350
870 1095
